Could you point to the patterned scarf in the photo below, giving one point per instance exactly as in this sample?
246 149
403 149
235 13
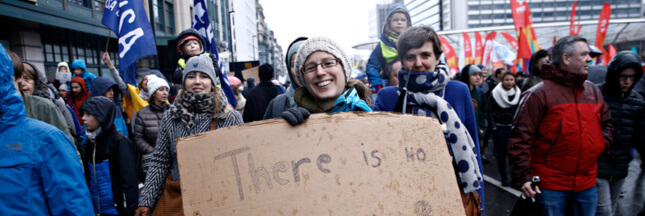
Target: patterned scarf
502 96
347 102
393 37
424 95
189 104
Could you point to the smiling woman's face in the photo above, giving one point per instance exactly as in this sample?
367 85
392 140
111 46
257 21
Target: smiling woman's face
197 82
324 84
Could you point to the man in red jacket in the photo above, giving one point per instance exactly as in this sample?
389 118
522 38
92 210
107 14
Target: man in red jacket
560 129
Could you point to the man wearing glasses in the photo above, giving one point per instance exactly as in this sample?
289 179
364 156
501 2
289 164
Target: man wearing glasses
628 117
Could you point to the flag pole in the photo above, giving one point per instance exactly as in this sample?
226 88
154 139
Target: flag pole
107 42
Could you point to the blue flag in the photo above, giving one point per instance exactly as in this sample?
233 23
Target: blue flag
128 19
202 23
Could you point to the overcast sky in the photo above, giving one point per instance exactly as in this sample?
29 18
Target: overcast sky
345 21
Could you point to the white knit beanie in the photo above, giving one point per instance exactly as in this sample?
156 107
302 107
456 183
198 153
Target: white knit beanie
320 44
155 83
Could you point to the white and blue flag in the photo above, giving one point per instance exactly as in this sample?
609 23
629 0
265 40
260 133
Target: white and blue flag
202 23
128 19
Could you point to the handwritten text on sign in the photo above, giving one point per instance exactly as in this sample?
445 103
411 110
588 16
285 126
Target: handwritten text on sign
341 164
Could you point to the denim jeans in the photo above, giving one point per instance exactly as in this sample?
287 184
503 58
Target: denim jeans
558 203
608 193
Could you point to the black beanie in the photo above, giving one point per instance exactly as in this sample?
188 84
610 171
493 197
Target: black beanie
265 72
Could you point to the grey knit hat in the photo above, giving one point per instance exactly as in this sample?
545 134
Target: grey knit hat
320 44
201 63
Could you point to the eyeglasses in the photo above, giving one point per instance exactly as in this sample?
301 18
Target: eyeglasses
326 64
625 77
399 20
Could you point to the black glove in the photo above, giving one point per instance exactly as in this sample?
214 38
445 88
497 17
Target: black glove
296 115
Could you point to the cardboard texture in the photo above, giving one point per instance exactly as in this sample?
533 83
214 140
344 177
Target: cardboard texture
341 164
251 72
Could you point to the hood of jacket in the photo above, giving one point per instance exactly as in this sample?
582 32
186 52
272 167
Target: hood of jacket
79 63
63 64
81 81
12 107
386 27
287 60
551 72
621 61
101 85
189 32
103 109
40 82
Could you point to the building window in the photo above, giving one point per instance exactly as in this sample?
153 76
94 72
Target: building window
84 3
158 12
99 5
170 18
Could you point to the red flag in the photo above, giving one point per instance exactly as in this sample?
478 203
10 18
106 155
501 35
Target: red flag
527 38
603 23
468 49
511 40
610 55
572 25
449 53
488 47
479 49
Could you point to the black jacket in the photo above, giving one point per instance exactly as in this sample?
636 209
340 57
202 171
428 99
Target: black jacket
115 150
498 116
258 100
628 118
146 127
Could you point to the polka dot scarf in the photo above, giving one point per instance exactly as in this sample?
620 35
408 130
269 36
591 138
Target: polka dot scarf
423 101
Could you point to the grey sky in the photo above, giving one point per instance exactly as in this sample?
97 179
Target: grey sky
345 21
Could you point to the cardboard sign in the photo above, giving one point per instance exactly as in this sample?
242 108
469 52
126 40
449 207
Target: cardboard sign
341 164
64 77
251 72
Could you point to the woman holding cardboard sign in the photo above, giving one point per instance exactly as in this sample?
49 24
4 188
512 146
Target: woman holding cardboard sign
323 69
199 107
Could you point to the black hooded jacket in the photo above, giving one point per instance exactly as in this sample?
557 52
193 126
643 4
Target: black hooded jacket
114 148
628 117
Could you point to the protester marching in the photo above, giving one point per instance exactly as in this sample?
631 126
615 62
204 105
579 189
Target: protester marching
547 119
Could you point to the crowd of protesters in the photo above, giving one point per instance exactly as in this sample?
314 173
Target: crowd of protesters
94 145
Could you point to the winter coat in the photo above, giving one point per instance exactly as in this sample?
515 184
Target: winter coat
628 118
281 103
102 85
146 127
249 87
258 100
457 95
561 127
87 76
40 173
385 52
498 116
479 105
165 154
43 90
46 111
111 163
75 102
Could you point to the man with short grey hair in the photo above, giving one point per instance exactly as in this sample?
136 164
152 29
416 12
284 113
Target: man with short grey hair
561 128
